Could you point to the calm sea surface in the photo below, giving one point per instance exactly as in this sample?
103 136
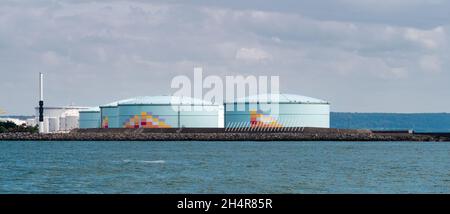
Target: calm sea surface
224 167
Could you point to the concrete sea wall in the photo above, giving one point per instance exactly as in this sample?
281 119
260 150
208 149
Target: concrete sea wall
301 134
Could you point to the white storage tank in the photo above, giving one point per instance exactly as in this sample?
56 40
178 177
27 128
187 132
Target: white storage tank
60 113
70 118
53 124
46 125
71 122
62 123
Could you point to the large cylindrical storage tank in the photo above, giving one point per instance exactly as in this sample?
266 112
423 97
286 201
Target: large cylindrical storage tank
277 110
168 112
109 115
200 115
90 118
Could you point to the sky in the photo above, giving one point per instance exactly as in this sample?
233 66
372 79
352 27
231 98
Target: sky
360 55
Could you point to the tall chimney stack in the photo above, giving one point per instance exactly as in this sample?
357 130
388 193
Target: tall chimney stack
41 103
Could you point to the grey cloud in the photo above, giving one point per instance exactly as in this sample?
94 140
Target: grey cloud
345 51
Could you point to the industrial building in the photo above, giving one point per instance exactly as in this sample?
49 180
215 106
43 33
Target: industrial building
277 110
59 119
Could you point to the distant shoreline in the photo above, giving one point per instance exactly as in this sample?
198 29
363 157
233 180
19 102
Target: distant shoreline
192 134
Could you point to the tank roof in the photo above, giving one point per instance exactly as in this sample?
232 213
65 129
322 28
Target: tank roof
279 98
155 100
114 104
71 112
63 107
93 109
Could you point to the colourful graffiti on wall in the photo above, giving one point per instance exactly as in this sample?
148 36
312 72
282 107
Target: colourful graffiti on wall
146 120
258 119
105 122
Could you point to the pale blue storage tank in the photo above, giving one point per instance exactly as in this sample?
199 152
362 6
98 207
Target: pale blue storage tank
110 115
169 112
89 118
277 110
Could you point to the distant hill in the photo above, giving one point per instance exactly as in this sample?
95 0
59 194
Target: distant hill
420 122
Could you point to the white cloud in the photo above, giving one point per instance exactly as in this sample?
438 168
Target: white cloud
276 39
51 58
123 45
390 4
252 54
431 64
430 39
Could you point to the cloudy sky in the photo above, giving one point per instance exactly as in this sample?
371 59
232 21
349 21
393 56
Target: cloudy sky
361 55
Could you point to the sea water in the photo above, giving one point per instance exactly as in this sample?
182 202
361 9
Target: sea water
224 167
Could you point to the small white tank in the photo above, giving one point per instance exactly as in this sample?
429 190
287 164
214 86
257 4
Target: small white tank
46 124
53 124
62 123
71 122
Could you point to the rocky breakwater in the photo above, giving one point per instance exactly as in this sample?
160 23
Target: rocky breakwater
305 134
